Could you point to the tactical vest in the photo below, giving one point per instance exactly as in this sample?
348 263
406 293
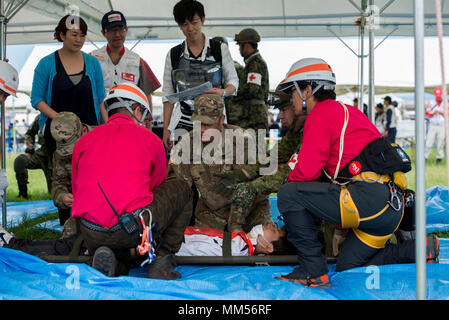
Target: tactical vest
127 70
189 73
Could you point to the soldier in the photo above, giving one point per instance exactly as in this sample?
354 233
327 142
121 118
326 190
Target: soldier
66 129
32 159
248 109
214 210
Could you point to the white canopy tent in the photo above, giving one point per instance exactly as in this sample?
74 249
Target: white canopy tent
33 21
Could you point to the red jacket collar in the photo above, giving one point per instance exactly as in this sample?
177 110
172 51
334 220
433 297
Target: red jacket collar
108 50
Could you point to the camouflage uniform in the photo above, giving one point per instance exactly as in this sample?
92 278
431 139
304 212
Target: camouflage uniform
214 210
248 109
66 128
38 159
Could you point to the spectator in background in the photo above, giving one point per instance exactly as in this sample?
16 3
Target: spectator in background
379 118
391 121
365 109
68 80
435 132
210 59
120 65
397 112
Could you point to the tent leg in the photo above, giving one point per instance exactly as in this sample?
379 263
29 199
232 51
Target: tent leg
419 152
371 69
3 112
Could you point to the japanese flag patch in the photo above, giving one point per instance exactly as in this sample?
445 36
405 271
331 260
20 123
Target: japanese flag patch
255 78
114 17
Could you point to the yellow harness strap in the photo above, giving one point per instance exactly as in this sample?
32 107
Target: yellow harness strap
376 242
350 217
400 178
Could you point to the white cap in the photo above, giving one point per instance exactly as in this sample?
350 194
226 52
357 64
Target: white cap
9 78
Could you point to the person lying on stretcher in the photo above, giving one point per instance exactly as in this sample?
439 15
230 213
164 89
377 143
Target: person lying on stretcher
262 239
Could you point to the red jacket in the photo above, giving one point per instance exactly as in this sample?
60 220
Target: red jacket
321 140
127 160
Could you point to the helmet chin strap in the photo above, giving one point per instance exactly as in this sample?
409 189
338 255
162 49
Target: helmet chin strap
304 105
127 104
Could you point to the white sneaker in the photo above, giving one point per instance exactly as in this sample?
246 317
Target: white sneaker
5 236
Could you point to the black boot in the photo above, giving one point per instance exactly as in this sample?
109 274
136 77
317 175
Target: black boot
104 261
163 268
23 191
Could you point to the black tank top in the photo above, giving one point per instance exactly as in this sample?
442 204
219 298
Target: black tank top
67 96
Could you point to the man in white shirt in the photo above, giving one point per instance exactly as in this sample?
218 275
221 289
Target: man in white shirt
120 64
199 54
435 132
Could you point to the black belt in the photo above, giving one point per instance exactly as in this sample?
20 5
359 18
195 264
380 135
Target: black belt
96 227
116 227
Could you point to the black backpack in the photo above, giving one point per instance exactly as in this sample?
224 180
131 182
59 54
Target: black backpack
380 156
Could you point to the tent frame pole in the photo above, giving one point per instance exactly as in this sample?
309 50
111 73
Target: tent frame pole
420 248
3 111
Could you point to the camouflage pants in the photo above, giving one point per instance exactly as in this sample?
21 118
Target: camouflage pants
171 210
256 117
37 160
259 213
234 112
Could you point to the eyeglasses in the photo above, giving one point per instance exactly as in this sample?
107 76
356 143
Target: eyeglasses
115 30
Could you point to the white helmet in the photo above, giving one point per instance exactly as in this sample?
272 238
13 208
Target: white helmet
310 70
9 78
124 95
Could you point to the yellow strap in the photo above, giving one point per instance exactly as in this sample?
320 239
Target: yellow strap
350 217
400 178
376 242
369 176
375 215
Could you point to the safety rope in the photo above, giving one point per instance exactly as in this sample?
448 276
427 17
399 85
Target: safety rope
147 239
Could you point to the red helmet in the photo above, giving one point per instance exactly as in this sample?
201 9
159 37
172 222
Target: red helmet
437 92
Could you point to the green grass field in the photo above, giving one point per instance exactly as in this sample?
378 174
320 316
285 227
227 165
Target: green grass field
37 190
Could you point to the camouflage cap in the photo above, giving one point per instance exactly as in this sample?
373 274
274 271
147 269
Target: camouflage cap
66 129
279 99
208 108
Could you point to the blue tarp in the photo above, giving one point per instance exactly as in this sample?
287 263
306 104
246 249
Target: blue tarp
23 276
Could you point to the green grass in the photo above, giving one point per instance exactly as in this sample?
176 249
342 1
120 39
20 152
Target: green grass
435 175
37 186
37 190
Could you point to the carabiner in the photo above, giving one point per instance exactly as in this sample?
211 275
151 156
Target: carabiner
394 196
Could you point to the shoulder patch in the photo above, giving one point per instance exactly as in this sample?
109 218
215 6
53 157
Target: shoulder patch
255 78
